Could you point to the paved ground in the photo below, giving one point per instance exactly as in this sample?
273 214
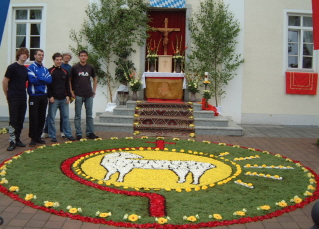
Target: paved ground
297 143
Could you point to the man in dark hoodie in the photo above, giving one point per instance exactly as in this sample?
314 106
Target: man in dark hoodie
38 77
59 95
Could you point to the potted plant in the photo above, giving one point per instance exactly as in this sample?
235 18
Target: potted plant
192 85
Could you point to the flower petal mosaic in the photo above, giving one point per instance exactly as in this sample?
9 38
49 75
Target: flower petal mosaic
137 182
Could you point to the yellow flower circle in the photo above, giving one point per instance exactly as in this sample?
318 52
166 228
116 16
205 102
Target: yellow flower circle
133 217
73 210
191 218
104 214
217 216
161 220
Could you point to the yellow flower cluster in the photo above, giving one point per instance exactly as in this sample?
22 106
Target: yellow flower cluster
83 140
176 139
73 210
160 138
223 154
68 142
236 146
129 138
246 158
30 197
162 220
144 137
221 144
240 213
206 142
296 200
4 181
14 189
264 207
268 167
251 149
191 140
98 139
275 177
191 218
136 132
132 217
57 144
282 204
103 214
114 138
216 216
240 182
192 135
50 204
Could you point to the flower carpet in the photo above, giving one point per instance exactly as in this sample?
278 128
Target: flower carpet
146 182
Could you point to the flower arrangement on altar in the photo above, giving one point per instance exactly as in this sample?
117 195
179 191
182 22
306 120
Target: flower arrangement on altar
179 53
152 49
134 81
192 83
207 94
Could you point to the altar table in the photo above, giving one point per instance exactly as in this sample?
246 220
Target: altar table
162 85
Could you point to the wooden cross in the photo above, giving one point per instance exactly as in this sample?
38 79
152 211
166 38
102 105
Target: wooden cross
166 31
161 144
165 61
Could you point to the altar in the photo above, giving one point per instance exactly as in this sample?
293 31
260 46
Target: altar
163 85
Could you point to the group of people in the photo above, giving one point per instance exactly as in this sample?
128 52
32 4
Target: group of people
55 86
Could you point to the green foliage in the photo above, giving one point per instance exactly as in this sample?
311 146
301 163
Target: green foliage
110 30
213 31
124 67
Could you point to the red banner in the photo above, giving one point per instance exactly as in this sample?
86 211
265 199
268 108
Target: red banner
315 19
301 83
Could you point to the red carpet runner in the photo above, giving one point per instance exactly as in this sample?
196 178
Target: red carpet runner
164 119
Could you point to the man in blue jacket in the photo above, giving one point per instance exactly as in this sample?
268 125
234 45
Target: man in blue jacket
38 77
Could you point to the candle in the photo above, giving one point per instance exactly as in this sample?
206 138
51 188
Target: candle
206 73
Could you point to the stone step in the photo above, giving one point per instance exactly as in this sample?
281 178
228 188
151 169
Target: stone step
231 130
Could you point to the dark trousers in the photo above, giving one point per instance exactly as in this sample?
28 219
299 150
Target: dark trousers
17 110
37 111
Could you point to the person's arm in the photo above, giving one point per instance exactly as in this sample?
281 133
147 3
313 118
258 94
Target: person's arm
5 85
94 86
70 83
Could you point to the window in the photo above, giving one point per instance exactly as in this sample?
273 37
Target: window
300 42
27 29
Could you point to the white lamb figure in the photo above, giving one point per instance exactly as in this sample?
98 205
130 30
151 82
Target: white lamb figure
125 162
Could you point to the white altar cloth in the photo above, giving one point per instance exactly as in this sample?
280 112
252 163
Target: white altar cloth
162 74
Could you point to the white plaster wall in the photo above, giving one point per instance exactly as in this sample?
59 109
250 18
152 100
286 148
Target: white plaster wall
264 97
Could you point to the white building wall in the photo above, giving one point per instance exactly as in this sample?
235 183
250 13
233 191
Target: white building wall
264 95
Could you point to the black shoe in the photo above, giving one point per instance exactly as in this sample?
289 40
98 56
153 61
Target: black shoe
53 140
92 136
20 144
11 147
78 137
32 143
39 140
71 138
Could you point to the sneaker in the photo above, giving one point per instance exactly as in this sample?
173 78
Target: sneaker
92 136
78 137
39 140
71 138
45 135
19 143
12 146
62 135
53 140
32 143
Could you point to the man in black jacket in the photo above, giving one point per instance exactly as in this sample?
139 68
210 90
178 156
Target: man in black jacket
59 97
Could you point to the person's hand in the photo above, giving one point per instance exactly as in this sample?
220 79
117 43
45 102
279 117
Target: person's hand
51 100
73 95
67 100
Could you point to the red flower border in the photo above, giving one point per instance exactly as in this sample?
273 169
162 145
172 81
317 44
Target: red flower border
66 167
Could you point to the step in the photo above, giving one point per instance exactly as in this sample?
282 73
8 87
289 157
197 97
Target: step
231 130
114 127
218 121
109 117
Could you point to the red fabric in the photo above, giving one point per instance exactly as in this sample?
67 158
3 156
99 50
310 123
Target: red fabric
209 107
315 19
301 83
176 19
27 83
165 100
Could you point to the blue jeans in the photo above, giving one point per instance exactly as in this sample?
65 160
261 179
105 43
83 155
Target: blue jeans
88 103
64 113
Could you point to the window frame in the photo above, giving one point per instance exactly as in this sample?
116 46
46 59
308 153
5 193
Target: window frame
314 68
12 28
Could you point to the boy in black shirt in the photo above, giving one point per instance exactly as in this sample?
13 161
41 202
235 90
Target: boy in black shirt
14 88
